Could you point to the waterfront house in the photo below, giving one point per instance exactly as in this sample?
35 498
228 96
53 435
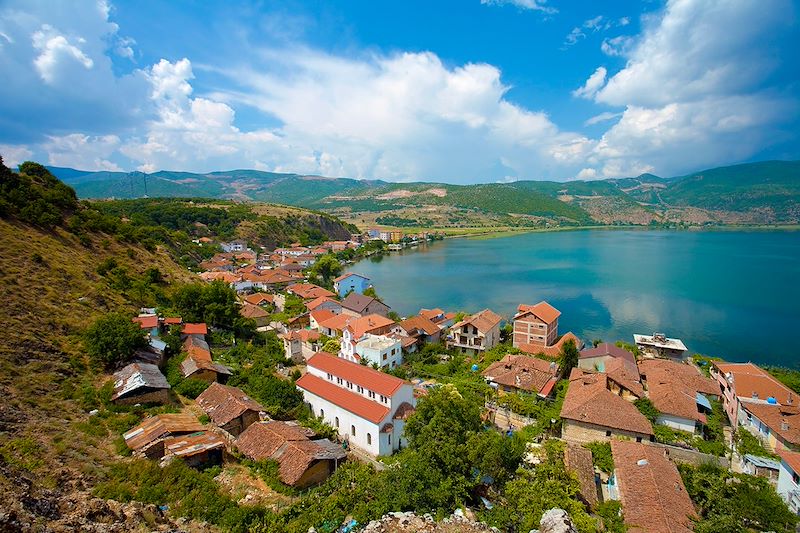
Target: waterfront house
360 305
420 328
650 489
140 383
351 283
741 383
302 462
230 408
368 408
476 333
299 345
789 479
598 357
147 438
659 345
591 412
522 373
680 393
438 317
535 326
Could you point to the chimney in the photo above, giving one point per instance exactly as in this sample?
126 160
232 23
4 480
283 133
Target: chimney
784 425
755 395
789 399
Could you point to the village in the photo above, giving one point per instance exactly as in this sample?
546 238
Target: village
627 414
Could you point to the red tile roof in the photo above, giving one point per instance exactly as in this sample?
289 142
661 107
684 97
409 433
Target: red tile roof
522 372
316 302
308 291
419 323
253 311
605 349
484 320
783 420
348 274
368 324
350 401
146 321
173 320
749 379
555 349
223 403
673 387
578 460
259 298
654 499
194 329
365 376
430 314
589 401
792 459
332 321
159 426
303 335
543 311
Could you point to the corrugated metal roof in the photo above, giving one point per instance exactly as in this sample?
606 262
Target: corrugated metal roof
136 376
155 427
193 444
762 462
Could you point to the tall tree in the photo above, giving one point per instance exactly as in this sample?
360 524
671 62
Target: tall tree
113 338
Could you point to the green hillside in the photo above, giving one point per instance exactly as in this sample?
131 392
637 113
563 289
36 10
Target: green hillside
765 192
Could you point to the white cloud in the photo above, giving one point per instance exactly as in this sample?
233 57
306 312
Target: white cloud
617 46
593 84
592 25
602 117
534 5
586 174
54 51
14 155
83 152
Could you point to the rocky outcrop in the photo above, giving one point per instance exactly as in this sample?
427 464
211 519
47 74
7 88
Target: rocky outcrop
410 522
556 521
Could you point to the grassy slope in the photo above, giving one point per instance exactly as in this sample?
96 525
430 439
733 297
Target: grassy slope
43 434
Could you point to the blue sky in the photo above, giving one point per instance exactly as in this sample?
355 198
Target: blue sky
462 91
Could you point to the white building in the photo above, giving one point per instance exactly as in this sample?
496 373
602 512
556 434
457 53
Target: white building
368 408
789 479
374 349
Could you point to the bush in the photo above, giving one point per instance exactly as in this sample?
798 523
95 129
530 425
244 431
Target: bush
113 338
191 387
601 456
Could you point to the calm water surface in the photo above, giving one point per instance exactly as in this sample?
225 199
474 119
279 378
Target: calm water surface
730 294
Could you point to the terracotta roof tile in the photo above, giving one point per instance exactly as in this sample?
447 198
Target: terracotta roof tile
543 311
749 379
578 460
316 302
252 311
331 320
146 321
783 420
484 320
368 324
792 459
554 350
654 499
350 401
673 387
367 377
588 400
194 329
419 323
521 372
308 291
607 349
259 298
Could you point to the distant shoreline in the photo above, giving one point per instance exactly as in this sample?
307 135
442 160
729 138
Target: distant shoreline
492 233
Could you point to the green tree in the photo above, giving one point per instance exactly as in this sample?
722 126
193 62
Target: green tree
327 267
332 346
568 358
113 338
646 407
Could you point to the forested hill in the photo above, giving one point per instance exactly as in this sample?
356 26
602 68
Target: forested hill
755 193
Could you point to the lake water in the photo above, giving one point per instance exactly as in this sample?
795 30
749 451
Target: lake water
731 294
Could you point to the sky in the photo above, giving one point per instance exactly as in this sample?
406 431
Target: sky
460 91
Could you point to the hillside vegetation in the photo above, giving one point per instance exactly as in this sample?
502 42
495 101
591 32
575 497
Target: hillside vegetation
755 193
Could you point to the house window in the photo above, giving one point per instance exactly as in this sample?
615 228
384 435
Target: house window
394 350
369 438
349 385
390 439
322 413
372 395
795 478
638 439
338 381
361 389
353 430
330 377
384 357
608 433
337 421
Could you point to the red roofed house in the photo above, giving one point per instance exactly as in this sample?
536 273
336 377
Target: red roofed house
742 383
148 323
367 407
476 333
319 316
523 373
789 479
308 291
650 489
678 391
591 412
351 282
331 324
194 329
360 305
324 302
536 325
422 329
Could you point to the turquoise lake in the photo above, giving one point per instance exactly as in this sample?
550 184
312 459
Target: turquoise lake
731 294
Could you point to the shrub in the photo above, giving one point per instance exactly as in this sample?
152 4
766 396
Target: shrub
191 387
113 338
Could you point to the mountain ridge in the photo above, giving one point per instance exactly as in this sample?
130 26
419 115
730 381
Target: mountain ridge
766 192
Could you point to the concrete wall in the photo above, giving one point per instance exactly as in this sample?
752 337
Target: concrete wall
676 422
787 485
